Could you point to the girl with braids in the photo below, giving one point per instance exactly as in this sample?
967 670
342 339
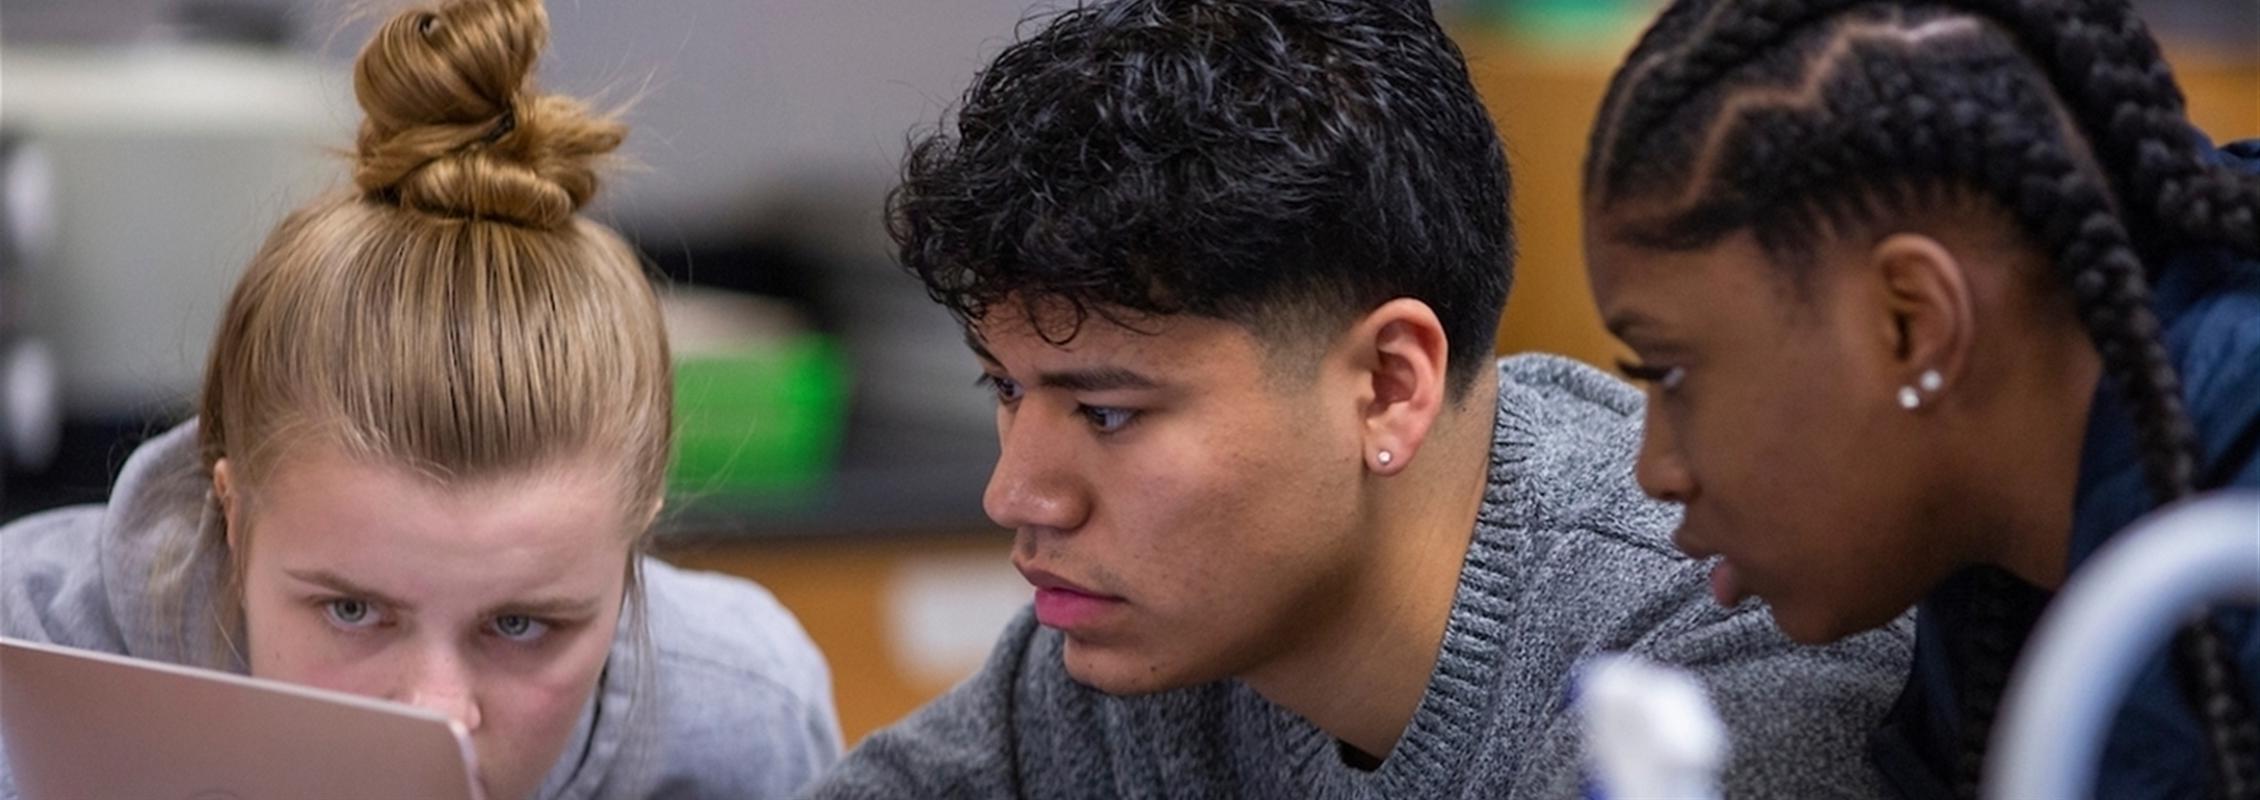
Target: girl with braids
432 439
1933 298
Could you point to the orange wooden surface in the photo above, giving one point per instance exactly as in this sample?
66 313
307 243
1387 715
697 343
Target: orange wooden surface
837 587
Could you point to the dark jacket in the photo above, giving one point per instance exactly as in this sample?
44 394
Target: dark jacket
2208 306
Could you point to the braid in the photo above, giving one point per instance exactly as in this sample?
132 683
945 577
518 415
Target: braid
1895 114
2110 71
2144 119
2097 258
2205 668
2114 306
1729 35
2220 206
1989 659
2117 82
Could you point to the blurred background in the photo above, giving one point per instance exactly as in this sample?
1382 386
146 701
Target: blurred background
833 446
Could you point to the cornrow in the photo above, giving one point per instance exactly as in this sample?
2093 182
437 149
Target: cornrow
1987 109
1680 70
2122 92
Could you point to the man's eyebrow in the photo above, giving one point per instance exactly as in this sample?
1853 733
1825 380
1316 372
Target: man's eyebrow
1097 379
1089 379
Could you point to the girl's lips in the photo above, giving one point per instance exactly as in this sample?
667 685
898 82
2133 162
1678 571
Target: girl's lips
1726 584
1726 580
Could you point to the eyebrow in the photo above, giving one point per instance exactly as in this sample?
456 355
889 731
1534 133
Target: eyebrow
337 583
558 607
538 607
1092 379
1097 379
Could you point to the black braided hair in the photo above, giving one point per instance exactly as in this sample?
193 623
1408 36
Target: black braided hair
1790 118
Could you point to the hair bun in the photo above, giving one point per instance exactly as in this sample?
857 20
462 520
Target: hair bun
454 127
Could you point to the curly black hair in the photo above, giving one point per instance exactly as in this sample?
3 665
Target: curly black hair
1281 164
1796 118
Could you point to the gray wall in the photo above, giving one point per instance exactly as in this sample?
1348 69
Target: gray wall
733 99
738 99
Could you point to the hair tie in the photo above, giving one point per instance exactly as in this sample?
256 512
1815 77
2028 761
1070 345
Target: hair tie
502 127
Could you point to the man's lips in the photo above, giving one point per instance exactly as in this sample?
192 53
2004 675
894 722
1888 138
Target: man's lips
1045 579
1064 604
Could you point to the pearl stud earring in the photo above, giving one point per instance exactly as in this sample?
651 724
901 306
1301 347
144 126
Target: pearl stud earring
1930 381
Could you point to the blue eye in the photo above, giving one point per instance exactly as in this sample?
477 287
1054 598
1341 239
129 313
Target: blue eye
519 628
1007 390
351 614
1108 420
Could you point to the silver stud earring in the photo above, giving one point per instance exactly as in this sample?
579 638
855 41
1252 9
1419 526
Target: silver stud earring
1384 457
1931 381
1908 399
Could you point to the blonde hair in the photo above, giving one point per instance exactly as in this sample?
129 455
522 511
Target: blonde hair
451 314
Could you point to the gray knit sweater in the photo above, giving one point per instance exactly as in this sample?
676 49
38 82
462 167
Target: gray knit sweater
1569 560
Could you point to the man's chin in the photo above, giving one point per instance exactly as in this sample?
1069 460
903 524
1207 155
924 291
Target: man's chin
1120 670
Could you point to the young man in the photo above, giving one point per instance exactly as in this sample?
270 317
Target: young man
1233 269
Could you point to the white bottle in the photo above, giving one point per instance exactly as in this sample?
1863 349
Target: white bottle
1649 731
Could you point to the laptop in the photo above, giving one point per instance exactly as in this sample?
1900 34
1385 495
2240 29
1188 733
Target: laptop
80 724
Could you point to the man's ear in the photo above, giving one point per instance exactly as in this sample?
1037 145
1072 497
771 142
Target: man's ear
1400 352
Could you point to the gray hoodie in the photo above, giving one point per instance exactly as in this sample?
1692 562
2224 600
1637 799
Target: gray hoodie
1569 560
729 700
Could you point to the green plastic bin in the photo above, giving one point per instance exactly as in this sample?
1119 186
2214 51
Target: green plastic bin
758 419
